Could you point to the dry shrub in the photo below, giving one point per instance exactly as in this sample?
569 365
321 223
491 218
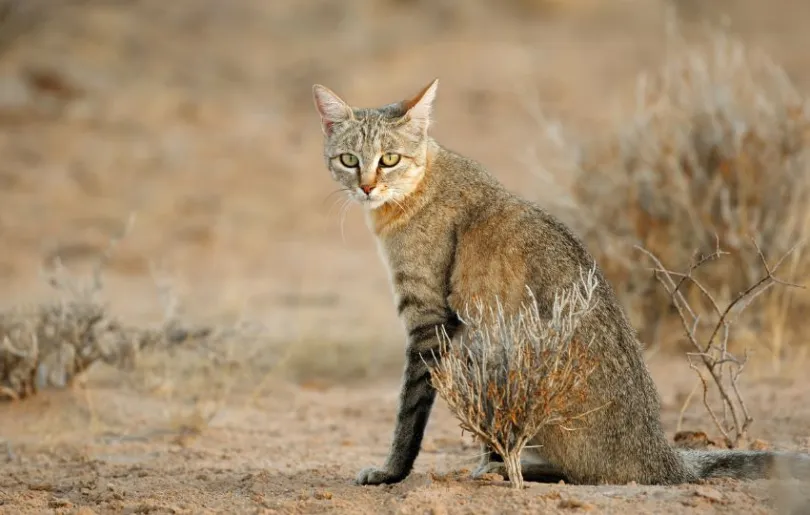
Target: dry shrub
52 344
510 375
709 335
719 146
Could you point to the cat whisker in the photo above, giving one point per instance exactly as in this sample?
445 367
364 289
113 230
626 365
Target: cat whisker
339 190
401 207
398 193
347 204
340 201
335 203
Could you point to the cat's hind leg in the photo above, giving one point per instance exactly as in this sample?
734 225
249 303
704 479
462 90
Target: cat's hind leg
532 464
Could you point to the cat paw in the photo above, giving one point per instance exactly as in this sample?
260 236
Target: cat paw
375 476
492 467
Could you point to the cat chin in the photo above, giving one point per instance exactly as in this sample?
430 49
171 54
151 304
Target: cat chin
371 205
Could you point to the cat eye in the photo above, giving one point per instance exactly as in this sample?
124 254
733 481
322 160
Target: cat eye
349 160
389 160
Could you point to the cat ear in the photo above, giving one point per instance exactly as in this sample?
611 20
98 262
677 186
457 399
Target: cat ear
418 108
330 106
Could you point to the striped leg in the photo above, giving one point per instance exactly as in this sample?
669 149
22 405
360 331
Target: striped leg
415 403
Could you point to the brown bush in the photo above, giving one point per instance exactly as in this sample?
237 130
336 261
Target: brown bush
719 147
510 375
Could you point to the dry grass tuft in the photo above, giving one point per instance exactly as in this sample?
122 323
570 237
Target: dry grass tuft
510 375
719 146
52 344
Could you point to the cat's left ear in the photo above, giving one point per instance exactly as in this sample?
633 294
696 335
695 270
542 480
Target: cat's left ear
331 107
418 108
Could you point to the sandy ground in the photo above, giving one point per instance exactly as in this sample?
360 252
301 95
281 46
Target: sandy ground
283 448
196 116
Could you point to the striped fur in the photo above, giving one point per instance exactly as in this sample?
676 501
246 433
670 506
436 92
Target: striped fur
746 464
451 234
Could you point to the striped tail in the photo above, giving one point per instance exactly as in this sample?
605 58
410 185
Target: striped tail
746 464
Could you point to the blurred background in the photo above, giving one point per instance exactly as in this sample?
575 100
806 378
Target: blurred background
196 116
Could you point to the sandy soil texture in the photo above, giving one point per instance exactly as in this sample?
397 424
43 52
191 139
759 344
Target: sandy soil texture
196 115
284 448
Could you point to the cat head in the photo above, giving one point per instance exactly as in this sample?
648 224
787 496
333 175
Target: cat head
377 155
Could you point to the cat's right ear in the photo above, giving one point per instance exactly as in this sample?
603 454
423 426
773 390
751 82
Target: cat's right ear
331 108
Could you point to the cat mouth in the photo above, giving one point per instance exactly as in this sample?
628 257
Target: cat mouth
372 197
371 201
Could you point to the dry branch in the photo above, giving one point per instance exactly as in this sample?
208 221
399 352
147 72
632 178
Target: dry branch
510 375
723 368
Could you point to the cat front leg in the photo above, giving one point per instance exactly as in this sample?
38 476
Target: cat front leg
415 403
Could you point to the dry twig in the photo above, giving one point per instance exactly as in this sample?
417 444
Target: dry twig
723 368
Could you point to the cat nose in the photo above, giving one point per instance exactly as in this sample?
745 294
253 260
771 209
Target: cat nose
366 188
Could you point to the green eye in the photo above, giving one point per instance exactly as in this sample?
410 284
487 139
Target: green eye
389 160
349 160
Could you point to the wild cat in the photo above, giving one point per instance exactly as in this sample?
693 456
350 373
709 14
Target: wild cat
450 232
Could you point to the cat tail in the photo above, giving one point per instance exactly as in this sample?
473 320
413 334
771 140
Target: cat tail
742 464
